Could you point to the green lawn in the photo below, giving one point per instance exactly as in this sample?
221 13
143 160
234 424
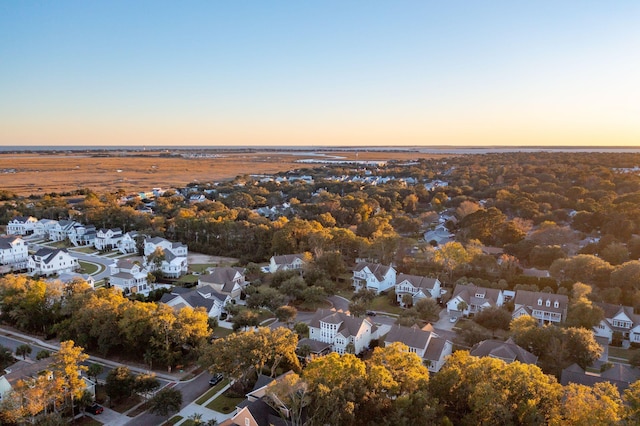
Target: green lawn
382 303
625 354
187 279
89 268
204 398
224 404
175 419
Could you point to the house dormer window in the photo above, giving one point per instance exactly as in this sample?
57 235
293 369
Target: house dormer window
539 302
556 304
480 295
548 303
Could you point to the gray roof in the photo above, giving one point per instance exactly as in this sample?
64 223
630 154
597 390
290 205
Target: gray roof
48 254
435 348
195 298
610 311
530 299
376 269
7 240
287 259
619 375
507 351
417 281
468 294
413 337
224 275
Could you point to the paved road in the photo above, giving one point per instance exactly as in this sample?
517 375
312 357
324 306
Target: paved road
103 261
191 390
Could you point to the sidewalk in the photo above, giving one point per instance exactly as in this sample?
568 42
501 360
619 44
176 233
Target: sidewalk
207 414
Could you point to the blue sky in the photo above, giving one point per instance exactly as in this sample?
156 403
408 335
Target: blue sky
320 73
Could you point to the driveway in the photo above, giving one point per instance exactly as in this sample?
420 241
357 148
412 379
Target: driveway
444 323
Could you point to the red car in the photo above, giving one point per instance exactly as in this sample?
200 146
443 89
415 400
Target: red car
95 409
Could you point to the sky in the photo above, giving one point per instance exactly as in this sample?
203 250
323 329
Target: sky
317 73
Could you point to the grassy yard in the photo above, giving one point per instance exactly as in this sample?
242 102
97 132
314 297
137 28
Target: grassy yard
125 404
224 404
625 354
175 419
89 268
187 279
87 250
204 398
382 303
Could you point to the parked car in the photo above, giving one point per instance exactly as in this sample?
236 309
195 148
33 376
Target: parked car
371 313
95 409
215 379
453 319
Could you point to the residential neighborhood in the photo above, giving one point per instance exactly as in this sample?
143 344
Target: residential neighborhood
351 285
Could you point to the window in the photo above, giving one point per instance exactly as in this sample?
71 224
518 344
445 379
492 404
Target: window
548 303
247 422
539 302
556 304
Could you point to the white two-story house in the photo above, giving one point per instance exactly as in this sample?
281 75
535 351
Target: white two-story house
49 261
21 225
432 348
82 235
343 332
544 307
470 299
618 319
61 229
374 276
225 280
129 277
43 227
107 239
417 287
127 243
175 262
14 252
287 262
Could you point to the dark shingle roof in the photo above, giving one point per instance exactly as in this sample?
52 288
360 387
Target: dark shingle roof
507 351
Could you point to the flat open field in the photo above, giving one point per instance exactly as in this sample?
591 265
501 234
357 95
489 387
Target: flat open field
38 173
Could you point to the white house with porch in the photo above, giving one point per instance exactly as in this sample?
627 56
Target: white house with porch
173 263
374 276
287 262
21 225
544 307
61 229
43 227
618 319
417 287
129 277
127 243
342 331
49 261
108 239
470 299
14 252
